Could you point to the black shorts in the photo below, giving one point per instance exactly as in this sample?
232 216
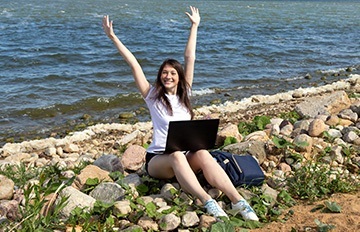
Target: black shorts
148 157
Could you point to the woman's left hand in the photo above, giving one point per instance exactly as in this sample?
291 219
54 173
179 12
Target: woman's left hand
194 16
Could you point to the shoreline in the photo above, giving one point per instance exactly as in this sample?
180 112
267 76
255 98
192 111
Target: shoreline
246 109
42 123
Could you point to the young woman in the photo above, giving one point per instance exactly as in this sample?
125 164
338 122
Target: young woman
168 100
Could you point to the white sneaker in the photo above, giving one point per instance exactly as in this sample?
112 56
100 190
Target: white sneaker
213 208
245 210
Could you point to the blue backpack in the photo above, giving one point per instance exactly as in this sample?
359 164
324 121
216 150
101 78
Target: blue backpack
243 170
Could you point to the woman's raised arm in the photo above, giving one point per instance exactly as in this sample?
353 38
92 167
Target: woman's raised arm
190 49
138 74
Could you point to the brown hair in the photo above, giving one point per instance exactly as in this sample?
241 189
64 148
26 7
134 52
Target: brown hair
182 88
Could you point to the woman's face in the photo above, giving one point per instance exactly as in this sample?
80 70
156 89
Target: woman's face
170 79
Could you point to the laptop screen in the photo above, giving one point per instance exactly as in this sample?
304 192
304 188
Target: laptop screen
191 135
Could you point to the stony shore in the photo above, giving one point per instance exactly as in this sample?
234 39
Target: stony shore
119 147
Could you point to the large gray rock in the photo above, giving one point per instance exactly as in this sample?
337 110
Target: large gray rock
328 104
108 192
75 199
110 163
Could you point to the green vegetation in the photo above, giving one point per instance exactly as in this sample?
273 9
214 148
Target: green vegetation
312 180
258 123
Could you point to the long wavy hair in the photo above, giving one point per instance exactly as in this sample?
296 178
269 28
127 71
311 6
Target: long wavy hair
183 88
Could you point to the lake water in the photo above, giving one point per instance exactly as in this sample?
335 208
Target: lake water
56 63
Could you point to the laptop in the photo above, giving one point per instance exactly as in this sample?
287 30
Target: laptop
191 135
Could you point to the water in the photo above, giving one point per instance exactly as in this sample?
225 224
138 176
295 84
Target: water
57 64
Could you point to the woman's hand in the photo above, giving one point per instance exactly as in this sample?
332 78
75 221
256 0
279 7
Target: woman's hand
108 27
194 16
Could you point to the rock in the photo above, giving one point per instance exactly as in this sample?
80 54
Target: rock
350 136
90 171
349 115
122 207
272 193
168 190
284 167
190 219
169 222
316 128
133 158
206 221
231 130
148 224
75 199
10 209
257 136
110 163
6 188
328 104
71 148
108 192
303 143
254 148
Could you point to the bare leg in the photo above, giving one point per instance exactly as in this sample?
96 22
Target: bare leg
214 174
176 164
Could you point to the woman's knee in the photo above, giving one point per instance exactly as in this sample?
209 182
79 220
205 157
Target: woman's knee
177 158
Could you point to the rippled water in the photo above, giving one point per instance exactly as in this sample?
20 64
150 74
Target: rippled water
57 64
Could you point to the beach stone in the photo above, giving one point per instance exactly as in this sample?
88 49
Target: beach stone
231 130
349 115
122 207
50 151
128 139
332 120
272 193
75 199
132 179
108 192
6 188
166 191
302 124
257 136
71 148
133 158
303 139
110 163
287 129
345 122
350 137
214 193
355 107
11 149
336 154
10 209
148 224
206 221
254 148
284 167
316 128
276 121
298 93
169 222
90 171
159 201
190 219
328 104
274 129
335 133
19 157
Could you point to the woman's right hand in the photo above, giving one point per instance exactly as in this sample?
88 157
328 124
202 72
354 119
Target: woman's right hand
108 27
